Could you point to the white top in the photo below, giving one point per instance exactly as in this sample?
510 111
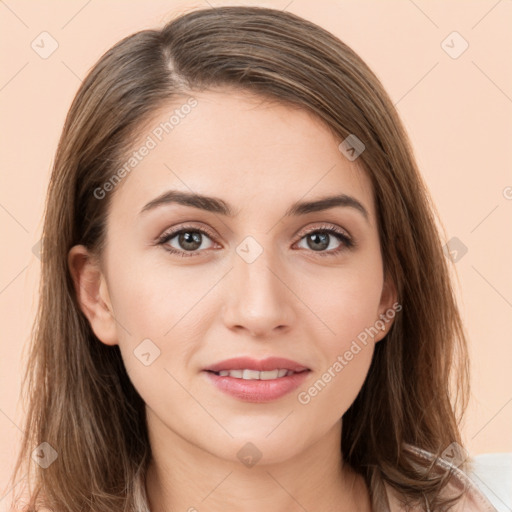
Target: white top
474 500
492 473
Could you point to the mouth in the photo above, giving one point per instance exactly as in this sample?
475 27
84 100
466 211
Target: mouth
251 380
247 374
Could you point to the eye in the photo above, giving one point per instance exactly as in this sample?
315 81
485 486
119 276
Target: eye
318 239
188 239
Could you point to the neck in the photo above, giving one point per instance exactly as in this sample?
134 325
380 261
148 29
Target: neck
185 477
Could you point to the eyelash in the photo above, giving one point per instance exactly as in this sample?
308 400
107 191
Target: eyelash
347 242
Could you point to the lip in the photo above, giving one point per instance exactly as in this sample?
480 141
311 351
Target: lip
257 391
270 363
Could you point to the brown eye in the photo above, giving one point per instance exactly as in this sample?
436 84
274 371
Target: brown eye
323 241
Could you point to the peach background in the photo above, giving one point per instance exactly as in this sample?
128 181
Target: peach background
458 113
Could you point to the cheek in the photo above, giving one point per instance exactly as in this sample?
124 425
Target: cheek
347 303
348 308
153 298
158 326
337 383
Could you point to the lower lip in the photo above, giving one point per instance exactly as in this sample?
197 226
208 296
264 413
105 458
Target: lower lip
258 390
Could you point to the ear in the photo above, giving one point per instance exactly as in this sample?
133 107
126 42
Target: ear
388 308
92 293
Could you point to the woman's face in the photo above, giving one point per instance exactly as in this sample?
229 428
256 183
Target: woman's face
244 279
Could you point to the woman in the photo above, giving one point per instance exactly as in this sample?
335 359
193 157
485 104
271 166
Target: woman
244 298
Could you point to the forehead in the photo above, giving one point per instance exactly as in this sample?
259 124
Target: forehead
258 155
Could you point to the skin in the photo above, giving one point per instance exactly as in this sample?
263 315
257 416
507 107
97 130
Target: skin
259 157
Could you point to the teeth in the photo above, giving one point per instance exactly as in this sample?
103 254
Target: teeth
256 375
250 375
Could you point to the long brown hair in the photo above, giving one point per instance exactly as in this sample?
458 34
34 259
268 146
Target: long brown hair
80 399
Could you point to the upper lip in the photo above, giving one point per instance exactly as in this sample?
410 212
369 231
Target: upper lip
270 363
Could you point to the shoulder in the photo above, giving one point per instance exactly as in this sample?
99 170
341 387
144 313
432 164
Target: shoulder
476 498
492 474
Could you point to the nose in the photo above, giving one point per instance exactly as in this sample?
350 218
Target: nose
259 297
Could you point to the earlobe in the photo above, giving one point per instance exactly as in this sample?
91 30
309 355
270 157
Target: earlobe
92 293
387 309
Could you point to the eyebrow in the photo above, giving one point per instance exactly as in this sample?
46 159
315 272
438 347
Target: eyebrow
217 205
